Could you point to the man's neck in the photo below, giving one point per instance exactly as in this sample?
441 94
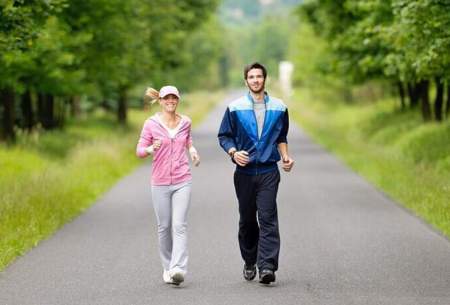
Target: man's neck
258 97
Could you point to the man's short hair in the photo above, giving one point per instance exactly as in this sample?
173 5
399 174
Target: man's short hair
255 65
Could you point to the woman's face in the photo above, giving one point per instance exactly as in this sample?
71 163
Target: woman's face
169 103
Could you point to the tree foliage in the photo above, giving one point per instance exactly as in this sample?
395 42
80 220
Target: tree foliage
55 51
405 42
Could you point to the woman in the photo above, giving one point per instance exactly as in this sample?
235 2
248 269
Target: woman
167 136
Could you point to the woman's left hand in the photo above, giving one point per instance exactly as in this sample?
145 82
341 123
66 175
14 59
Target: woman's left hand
195 158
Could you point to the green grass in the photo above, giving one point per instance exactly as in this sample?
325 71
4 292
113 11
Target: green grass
395 150
47 179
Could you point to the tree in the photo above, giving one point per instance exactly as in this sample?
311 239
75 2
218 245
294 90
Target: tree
53 51
421 34
202 67
401 41
21 22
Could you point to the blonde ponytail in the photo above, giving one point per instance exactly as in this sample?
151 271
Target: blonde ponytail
151 94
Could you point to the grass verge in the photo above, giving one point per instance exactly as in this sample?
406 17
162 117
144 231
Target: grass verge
404 157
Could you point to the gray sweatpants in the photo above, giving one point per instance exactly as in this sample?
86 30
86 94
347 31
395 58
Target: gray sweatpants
171 204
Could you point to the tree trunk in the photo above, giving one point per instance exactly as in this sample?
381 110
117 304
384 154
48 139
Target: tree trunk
27 111
50 111
75 107
413 92
122 107
401 92
60 111
46 110
40 107
7 97
438 103
425 100
447 109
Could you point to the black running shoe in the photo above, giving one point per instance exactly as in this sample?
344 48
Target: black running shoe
266 276
249 272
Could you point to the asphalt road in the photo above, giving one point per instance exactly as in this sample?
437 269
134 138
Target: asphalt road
342 242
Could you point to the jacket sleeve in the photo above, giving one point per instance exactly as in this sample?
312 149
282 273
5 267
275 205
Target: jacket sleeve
282 138
189 140
227 132
145 140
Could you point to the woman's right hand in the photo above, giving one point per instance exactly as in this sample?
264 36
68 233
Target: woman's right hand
156 144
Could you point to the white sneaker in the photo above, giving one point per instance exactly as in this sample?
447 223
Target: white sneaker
166 277
176 276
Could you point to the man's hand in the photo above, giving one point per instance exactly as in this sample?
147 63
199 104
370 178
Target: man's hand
241 157
287 164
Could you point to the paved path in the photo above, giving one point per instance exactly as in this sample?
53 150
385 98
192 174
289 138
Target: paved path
343 242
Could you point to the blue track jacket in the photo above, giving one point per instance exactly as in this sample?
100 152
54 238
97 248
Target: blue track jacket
239 129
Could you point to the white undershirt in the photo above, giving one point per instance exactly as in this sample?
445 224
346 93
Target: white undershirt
172 131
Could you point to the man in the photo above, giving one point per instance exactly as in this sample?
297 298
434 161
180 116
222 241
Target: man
253 132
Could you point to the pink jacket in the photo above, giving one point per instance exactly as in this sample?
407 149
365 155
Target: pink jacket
170 162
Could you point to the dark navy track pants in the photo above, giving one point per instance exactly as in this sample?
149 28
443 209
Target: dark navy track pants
259 238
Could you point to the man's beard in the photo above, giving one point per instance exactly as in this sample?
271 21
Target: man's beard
258 91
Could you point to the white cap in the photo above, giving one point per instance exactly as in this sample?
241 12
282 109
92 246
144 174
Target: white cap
166 90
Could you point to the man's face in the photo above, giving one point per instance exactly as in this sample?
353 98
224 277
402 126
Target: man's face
255 80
